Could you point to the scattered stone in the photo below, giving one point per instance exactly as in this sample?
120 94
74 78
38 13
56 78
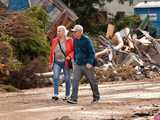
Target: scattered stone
82 108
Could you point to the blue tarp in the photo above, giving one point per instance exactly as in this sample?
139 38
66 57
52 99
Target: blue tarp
18 5
154 16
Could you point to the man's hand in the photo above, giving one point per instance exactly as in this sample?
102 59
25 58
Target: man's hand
89 66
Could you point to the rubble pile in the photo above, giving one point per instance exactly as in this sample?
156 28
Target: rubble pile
139 63
16 23
116 74
25 77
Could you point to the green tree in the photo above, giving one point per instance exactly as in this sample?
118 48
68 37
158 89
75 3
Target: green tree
27 32
132 22
86 11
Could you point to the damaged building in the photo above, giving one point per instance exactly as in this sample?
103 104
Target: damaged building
150 9
58 12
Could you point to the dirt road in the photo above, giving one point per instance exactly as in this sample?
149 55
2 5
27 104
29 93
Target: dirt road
128 100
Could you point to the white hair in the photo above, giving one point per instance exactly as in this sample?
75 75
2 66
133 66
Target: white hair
64 28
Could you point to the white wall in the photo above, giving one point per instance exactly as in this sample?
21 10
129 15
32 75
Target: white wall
114 6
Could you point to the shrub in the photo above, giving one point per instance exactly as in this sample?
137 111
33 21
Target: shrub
23 39
131 21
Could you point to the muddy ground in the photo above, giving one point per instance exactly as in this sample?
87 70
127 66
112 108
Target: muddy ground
122 100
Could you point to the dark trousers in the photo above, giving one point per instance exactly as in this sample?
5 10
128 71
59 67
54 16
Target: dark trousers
78 72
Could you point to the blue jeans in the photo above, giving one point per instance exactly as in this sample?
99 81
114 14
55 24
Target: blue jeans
58 66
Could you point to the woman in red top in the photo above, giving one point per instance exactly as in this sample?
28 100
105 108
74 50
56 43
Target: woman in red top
60 52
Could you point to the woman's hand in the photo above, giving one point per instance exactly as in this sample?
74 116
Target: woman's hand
50 68
68 58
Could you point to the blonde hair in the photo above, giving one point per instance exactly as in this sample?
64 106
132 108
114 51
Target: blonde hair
64 28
